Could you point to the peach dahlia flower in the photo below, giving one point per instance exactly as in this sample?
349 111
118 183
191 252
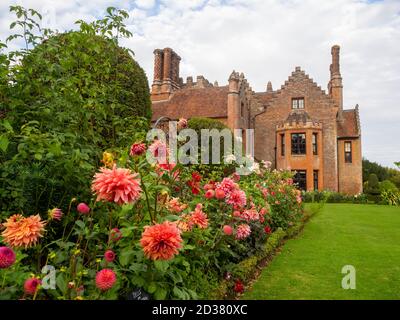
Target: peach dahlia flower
23 232
116 185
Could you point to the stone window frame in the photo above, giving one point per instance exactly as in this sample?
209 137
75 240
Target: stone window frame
283 144
348 152
298 148
297 105
315 179
315 143
300 181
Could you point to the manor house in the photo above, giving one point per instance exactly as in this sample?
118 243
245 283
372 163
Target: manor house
298 127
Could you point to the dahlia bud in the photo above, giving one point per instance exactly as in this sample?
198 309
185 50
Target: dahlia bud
55 214
227 230
32 285
83 208
109 255
137 149
115 235
209 194
220 194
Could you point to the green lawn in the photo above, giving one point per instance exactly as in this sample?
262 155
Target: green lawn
309 266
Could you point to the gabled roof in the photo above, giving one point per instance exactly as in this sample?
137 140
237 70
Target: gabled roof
210 102
349 125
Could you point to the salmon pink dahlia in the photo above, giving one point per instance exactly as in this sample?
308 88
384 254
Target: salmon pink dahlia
243 231
237 198
198 217
227 185
7 257
31 286
161 241
116 185
23 232
105 279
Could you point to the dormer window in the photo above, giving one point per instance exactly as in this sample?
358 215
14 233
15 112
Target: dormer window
297 103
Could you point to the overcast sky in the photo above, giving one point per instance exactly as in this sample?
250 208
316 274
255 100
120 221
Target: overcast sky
266 39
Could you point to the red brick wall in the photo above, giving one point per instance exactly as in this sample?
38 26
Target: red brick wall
318 105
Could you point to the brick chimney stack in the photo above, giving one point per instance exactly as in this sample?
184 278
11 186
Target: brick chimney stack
335 85
166 74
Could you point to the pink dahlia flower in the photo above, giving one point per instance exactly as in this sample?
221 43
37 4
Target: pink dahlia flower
117 184
237 198
105 279
227 185
243 231
7 257
159 150
31 286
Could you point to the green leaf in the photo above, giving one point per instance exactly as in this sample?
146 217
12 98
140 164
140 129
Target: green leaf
125 257
161 265
160 294
152 287
80 224
4 142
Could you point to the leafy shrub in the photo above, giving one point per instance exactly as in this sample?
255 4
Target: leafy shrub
332 197
391 197
73 96
387 185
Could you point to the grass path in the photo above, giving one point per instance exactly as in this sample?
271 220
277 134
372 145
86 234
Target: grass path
309 266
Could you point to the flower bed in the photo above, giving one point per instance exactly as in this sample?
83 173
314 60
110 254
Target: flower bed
151 231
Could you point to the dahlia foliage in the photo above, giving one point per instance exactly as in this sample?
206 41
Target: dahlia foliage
164 228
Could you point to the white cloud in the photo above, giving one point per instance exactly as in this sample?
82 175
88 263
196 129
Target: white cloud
266 40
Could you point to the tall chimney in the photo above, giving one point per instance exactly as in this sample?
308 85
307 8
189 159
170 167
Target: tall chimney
158 71
166 74
335 85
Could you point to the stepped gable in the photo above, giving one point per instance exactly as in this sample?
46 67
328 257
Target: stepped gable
297 75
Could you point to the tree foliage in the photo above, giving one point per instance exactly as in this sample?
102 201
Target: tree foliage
63 103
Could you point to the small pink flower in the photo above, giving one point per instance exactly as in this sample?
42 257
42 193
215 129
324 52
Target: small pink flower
7 257
137 149
242 231
198 217
182 123
105 279
31 285
83 208
227 230
209 194
237 198
109 255
220 194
